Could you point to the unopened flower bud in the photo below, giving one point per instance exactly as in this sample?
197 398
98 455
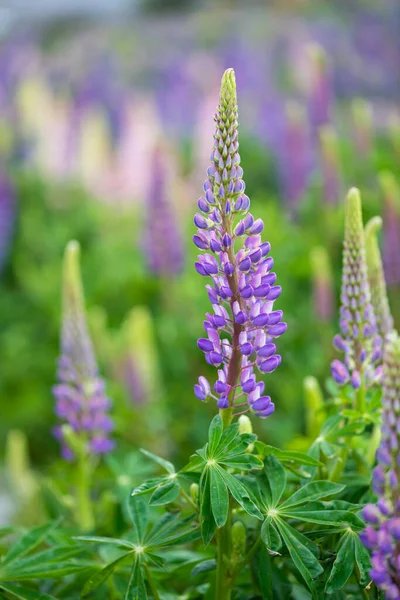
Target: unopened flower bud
194 492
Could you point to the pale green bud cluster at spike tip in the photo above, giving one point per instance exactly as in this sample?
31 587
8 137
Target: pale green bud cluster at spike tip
242 331
358 339
376 277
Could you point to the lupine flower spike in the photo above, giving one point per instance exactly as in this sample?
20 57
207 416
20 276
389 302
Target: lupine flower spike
241 331
382 535
376 278
81 401
358 339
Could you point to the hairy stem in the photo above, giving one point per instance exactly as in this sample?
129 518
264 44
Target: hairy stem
223 582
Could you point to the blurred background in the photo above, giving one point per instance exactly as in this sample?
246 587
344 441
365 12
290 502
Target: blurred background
106 123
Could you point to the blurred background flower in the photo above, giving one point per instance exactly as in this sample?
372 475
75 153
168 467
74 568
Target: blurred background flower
106 112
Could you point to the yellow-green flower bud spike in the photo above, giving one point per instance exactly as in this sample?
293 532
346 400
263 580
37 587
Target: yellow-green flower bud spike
238 534
376 277
245 425
228 97
314 405
194 493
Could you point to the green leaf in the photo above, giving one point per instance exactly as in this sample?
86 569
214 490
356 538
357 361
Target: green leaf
343 518
228 438
101 576
22 593
305 561
363 561
184 537
329 450
287 455
195 463
208 525
204 567
241 494
148 486
312 491
343 565
270 536
214 435
164 527
28 542
244 462
61 553
219 496
49 571
138 512
155 559
136 587
105 540
164 494
276 480
263 567
168 466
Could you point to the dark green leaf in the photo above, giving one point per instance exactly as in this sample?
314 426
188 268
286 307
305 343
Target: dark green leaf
264 572
49 571
148 486
241 494
312 491
165 493
270 536
363 561
138 512
208 525
219 496
204 567
164 527
305 561
244 462
52 555
195 463
184 537
228 438
343 518
155 559
276 480
101 576
168 466
287 455
343 565
28 542
214 435
136 587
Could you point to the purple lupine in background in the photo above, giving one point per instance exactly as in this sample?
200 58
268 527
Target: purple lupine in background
358 338
382 534
320 93
242 329
162 243
322 280
81 400
376 278
296 154
7 216
391 228
330 163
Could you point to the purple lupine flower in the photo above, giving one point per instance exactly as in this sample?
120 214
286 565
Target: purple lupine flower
358 339
7 216
382 534
391 228
376 278
241 331
162 243
81 400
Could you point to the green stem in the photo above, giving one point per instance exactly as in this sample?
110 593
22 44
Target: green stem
84 512
223 582
360 397
337 470
189 500
151 583
226 416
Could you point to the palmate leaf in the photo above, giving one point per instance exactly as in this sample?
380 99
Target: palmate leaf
165 464
138 512
241 494
219 496
44 571
207 522
274 480
342 518
270 536
204 566
119 543
343 565
164 494
315 490
214 434
136 587
287 456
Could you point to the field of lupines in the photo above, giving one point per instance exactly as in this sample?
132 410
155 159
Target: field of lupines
111 486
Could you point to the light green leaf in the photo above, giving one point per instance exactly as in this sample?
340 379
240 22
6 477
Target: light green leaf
28 542
165 493
219 496
270 536
138 512
148 486
243 462
105 540
101 576
343 565
136 587
342 518
363 561
195 463
228 439
312 491
204 567
276 480
22 593
168 466
208 525
287 455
